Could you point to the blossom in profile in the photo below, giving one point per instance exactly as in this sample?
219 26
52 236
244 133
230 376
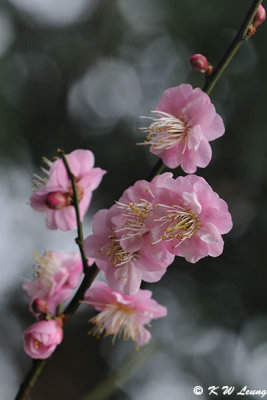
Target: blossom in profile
54 195
122 315
56 275
124 269
185 122
42 338
189 217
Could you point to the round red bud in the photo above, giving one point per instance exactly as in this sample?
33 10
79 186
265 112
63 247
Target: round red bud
40 306
199 62
56 200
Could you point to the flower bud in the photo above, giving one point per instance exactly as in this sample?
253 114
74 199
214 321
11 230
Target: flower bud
259 16
56 200
42 338
40 306
199 63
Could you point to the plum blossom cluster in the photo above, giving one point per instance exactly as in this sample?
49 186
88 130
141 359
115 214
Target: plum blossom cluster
139 236
57 274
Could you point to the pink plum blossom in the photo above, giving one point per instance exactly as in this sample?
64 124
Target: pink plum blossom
124 269
133 207
189 217
185 124
123 315
42 338
56 275
54 195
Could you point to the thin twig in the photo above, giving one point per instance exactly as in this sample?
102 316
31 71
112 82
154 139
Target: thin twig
80 238
241 36
90 274
128 367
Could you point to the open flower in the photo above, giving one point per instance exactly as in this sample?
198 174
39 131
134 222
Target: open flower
189 218
184 123
42 338
56 275
133 207
54 195
123 315
124 269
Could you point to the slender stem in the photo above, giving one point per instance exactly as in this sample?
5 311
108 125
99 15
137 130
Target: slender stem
128 367
30 379
86 283
80 238
240 37
90 274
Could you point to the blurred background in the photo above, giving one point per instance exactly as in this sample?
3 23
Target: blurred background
77 74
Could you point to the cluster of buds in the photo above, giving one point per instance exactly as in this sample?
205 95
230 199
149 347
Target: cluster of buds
57 274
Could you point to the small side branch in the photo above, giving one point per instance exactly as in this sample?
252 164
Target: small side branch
241 36
80 238
90 273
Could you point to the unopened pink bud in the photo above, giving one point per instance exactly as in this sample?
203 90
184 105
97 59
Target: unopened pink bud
40 306
259 16
42 338
56 200
199 62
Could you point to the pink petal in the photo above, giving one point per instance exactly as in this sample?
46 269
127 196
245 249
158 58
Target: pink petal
216 249
81 161
215 129
222 220
99 223
66 218
203 154
209 233
193 249
194 138
174 99
191 200
91 180
143 337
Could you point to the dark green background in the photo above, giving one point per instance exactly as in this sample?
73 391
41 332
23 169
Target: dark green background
83 84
